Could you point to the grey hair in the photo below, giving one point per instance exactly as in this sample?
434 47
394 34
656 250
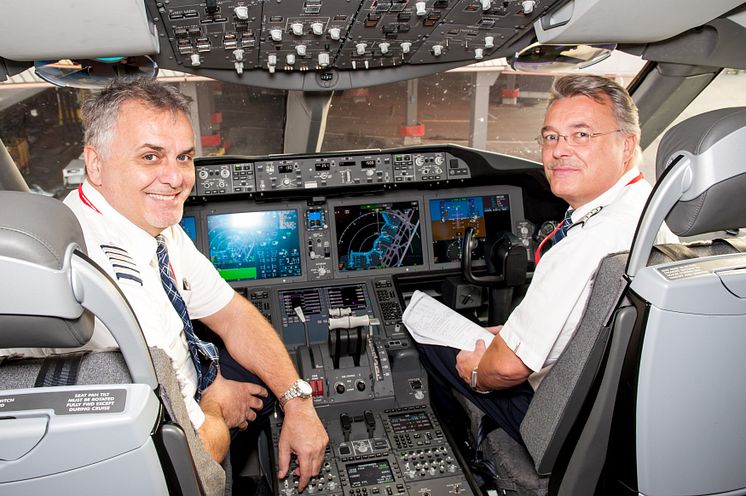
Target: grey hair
101 111
599 89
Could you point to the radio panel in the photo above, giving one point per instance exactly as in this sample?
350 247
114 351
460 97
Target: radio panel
391 452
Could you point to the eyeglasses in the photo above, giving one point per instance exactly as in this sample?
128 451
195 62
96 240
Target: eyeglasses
578 138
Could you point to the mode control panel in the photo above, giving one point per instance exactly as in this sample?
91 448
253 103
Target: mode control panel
329 171
310 173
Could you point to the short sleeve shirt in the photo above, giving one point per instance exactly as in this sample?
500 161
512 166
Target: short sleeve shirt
539 328
128 254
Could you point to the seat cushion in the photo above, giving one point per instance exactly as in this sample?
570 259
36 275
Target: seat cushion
515 468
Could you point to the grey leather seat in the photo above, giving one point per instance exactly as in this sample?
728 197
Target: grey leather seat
83 423
616 412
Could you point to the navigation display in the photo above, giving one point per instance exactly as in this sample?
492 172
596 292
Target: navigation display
378 235
255 245
449 218
189 224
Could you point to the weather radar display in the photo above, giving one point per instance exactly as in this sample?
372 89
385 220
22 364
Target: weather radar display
255 245
378 236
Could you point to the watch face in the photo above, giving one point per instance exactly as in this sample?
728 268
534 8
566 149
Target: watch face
304 388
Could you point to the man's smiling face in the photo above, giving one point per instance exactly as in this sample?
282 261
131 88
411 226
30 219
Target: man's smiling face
148 171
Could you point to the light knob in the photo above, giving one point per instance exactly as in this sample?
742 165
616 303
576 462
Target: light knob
489 42
360 48
384 46
486 4
242 12
300 50
335 33
478 53
297 28
324 59
195 60
238 54
437 50
317 28
275 34
528 6
405 46
290 58
421 8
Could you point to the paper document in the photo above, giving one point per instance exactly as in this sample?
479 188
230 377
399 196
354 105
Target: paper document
431 322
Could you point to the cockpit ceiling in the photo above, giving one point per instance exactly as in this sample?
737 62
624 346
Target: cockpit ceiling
328 44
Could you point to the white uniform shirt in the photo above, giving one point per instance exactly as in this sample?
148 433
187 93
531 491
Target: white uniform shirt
539 328
128 255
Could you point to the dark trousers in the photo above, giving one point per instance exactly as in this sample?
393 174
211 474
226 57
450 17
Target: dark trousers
505 407
244 442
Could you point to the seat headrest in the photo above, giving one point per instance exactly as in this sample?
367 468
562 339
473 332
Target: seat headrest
42 232
715 144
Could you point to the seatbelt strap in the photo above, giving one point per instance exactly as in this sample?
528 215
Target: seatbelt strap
59 370
675 252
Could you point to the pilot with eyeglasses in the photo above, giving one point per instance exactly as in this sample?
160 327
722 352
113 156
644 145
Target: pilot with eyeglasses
590 150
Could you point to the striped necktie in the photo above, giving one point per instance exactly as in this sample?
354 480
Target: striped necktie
204 354
560 234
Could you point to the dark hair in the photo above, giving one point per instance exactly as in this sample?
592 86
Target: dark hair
100 111
600 89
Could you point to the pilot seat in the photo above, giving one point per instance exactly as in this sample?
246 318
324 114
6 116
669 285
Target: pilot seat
647 397
82 422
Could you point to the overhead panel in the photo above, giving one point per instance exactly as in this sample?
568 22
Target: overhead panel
326 35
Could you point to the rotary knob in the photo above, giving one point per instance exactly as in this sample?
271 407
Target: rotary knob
275 34
242 12
297 28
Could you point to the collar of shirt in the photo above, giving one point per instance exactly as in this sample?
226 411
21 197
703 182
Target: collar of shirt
140 244
607 196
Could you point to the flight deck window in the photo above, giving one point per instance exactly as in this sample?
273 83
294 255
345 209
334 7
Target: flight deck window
447 108
41 128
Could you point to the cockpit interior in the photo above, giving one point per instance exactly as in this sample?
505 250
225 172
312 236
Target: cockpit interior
322 198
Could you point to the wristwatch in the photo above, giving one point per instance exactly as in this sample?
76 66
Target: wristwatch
299 389
473 382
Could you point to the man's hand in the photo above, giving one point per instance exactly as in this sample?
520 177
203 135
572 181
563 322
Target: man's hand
467 360
239 401
303 434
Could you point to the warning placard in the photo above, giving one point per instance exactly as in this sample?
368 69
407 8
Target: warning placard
74 402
